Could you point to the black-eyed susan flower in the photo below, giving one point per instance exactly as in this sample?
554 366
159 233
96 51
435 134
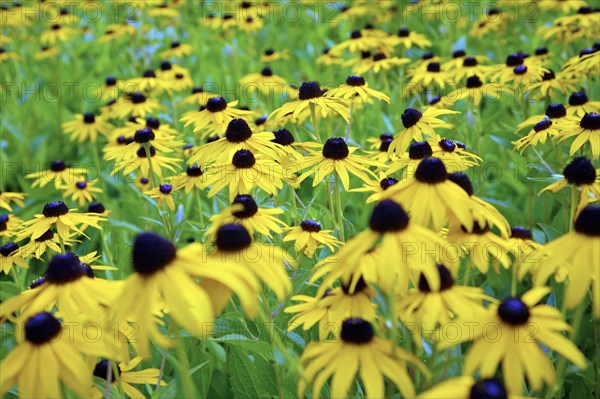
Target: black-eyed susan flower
400 239
309 237
82 191
163 11
580 104
430 197
580 173
310 311
453 153
502 72
217 115
516 346
245 171
410 160
525 251
491 21
162 271
177 50
234 263
578 250
49 241
192 178
265 82
376 186
6 55
540 132
49 355
524 76
198 97
431 77
238 136
356 43
328 59
143 162
408 39
143 137
147 83
482 246
474 91
117 31
65 279
470 67
336 157
8 198
586 62
287 146
483 212
87 127
377 63
12 254
586 129
357 351
135 104
430 310
311 98
356 88
245 211
552 82
556 113
467 387
417 124
57 33
270 55
163 194
58 173
9 225
127 377
57 214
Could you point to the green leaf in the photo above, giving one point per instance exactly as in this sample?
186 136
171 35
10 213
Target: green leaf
168 391
8 289
250 375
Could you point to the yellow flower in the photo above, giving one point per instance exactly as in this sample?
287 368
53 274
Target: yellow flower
474 91
431 77
126 377
408 39
467 387
162 272
579 251
81 191
135 104
117 31
12 254
431 197
245 211
9 225
356 43
271 55
59 215
377 63
87 126
428 310
416 124
336 157
579 105
6 198
587 129
177 50
311 97
57 33
58 173
198 97
246 171
235 263
579 172
309 236
519 323
356 88
142 162
65 278
217 115
238 136
50 355
47 241
265 82
358 351
164 193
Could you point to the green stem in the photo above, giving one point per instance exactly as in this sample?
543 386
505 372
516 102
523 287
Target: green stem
62 244
150 167
15 276
562 362
313 114
108 378
574 203
340 214
467 276
188 386
349 122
